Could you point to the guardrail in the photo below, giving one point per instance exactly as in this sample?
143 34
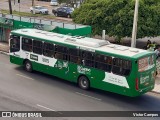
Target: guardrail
43 21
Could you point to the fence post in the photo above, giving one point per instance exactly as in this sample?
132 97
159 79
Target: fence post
103 34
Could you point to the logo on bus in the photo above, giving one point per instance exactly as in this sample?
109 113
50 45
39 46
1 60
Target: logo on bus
61 64
83 70
144 79
34 57
45 60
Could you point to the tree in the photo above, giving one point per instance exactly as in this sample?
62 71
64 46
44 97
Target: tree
10 6
116 17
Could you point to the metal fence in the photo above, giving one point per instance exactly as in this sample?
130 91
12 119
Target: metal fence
43 21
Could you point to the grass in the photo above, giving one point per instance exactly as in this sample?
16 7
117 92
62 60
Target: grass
26 14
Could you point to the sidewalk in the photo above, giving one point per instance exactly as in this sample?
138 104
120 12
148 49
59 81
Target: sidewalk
157 85
4 47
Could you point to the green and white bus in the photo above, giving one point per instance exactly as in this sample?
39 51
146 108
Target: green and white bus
89 62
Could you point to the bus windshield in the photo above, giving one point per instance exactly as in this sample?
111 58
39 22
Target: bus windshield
145 63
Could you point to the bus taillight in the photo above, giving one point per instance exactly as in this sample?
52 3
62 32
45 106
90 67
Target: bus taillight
137 84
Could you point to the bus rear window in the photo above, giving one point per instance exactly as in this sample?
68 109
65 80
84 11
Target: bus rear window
145 63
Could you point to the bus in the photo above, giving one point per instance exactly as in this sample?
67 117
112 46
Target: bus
89 62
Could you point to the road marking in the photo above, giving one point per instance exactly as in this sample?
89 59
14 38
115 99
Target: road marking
88 96
24 76
48 108
45 107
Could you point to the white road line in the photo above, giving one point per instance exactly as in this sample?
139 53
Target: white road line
88 96
48 108
24 76
45 107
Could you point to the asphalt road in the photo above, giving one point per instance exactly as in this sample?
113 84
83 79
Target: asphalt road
25 5
20 90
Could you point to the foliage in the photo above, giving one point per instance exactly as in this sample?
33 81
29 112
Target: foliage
116 17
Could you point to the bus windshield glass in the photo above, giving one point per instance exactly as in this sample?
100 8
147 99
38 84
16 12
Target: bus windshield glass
145 63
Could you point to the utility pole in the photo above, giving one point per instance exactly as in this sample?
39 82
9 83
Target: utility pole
19 5
10 6
103 34
134 31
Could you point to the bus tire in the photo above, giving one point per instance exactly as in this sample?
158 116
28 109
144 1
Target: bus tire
28 66
83 83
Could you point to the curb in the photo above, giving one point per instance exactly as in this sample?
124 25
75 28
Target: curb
5 53
156 89
155 92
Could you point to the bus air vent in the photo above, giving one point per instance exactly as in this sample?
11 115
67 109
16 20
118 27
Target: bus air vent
90 42
82 36
111 46
134 50
70 40
37 31
44 32
122 48
55 35
49 34
73 36
78 37
60 36
24 30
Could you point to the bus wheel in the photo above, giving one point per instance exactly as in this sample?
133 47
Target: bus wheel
83 82
28 66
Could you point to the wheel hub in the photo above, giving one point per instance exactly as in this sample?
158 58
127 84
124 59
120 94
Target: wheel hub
84 83
28 66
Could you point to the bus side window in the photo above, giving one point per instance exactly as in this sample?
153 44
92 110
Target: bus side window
116 66
48 49
27 44
14 43
87 58
126 67
37 47
121 67
74 55
61 52
103 62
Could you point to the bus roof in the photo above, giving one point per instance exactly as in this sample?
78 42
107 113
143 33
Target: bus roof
84 42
